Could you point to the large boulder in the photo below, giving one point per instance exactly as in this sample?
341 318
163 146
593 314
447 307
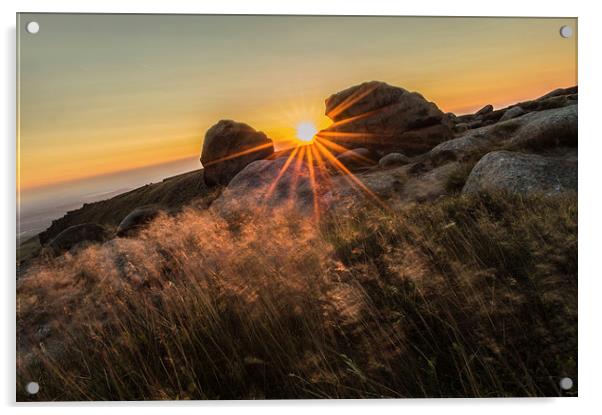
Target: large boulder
78 235
270 185
394 186
548 129
385 119
523 173
136 220
228 147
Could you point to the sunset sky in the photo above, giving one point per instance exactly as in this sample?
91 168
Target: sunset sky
100 94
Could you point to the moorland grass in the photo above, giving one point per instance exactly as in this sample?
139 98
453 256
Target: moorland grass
467 296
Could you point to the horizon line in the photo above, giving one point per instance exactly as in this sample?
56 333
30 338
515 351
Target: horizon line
111 173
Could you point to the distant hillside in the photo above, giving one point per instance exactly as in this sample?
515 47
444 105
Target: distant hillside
170 193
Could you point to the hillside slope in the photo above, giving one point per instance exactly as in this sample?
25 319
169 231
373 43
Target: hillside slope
171 193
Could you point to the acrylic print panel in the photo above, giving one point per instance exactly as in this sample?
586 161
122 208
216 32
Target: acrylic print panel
258 207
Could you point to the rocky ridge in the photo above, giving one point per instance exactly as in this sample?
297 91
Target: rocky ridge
400 148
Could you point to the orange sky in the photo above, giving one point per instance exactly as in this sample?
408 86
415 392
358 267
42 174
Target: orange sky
104 93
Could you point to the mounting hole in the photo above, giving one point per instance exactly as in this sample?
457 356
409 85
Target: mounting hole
32 388
566 384
33 27
566 31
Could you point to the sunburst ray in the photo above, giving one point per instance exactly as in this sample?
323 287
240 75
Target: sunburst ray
340 149
239 154
297 168
285 166
312 180
322 169
342 134
350 177
357 117
350 100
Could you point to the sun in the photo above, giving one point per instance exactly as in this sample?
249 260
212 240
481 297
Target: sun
306 130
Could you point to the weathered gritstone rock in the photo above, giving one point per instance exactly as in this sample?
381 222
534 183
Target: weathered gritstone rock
228 147
253 191
137 219
358 158
78 235
385 119
266 185
523 173
461 127
558 92
547 129
544 129
393 160
558 98
393 186
485 110
512 113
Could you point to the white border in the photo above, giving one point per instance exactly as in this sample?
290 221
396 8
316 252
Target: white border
590 277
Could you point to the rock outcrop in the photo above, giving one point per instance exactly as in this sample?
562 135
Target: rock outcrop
137 220
548 128
536 130
411 137
385 119
228 147
269 184
78 235
558 98
559 92
523 173
399 185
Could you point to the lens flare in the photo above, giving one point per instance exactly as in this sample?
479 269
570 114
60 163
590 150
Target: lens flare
306 131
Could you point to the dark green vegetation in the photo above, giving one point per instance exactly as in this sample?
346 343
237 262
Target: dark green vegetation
462 297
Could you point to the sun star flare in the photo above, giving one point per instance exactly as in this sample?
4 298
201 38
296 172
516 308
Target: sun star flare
306 130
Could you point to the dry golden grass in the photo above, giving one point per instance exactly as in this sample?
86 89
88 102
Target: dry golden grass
466 296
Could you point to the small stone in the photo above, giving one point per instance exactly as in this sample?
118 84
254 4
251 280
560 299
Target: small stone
513 113
485 110
393 159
